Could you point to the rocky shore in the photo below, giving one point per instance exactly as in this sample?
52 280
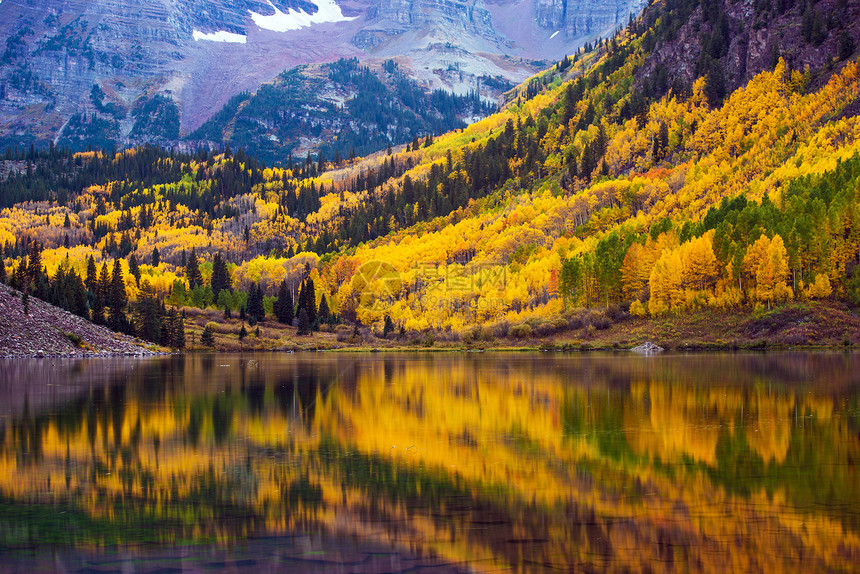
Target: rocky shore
49 331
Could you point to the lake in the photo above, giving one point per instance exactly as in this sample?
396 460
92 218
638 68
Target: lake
472 462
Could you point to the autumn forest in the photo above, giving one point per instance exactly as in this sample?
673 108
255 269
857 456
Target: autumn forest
596 191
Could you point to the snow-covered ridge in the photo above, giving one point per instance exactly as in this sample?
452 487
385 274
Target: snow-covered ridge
328 11
220 36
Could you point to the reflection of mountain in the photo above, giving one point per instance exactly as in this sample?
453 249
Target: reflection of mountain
609 463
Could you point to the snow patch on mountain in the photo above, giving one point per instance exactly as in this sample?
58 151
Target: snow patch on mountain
328 11
220 36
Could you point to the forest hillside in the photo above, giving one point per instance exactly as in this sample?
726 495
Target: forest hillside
696 164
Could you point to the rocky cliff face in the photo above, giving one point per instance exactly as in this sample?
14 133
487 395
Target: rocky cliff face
86 72
733 40
583 18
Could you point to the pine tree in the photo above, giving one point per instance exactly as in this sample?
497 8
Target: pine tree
307 300
256 311
284 307
134 268
324 314
192 270
207 337
304 327
389 326
243 332
25 301
156 257
117 299
148 314
34 269
92 278
2 270
220 275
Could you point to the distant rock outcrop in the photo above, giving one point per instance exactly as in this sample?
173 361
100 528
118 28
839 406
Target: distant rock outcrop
48 331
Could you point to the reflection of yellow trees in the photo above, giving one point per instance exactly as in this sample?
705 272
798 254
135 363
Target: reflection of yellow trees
612 462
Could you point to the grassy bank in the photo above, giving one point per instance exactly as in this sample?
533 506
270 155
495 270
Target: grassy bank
828 324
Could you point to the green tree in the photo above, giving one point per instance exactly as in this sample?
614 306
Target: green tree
148 314
304 327
284 306
207 337
220 275
192 270
117 299
307 300
256 310
156 257
324 316
134 268
92 278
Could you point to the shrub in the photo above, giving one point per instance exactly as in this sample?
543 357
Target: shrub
343 333
521 331
501 329
600 322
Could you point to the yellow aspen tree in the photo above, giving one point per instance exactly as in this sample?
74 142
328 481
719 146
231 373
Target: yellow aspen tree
772 273
755 255
700 267
666 283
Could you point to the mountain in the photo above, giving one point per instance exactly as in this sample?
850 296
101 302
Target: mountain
608 192
93 73
340 109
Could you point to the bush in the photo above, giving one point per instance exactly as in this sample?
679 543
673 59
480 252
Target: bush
544 329
521 331
501 329
600 322
343 333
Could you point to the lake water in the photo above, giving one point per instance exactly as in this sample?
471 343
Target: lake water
432 463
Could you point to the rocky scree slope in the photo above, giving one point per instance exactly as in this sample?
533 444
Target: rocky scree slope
50 331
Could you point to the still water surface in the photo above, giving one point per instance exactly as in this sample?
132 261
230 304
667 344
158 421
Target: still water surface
437 462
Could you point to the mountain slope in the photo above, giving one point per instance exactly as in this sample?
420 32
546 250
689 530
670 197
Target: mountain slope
48 331
339 109
199 54
596 186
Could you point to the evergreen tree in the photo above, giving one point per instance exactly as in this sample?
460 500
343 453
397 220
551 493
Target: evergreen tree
25 301
324 314
134 268
34 269
2 270
243 332
389 326
304 327
192 270
156 257
117 299
207 337
284 306
307 300
148 314
256 311
92 278
220 275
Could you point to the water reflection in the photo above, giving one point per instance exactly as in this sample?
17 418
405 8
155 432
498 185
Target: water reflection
478 462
